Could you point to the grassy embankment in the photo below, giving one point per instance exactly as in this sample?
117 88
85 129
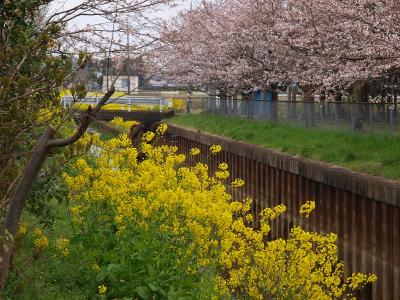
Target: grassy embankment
373 154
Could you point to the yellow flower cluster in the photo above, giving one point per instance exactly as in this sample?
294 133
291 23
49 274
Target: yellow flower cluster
194 151
195 208
222 172
223 166
237 183
148 136
118 122
162 129
102 289
96 268
215 149
307 208
62 246
22 229
41 243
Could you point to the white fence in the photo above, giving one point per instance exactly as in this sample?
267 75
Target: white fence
127 103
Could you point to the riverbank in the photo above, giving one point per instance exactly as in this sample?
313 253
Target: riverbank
372 154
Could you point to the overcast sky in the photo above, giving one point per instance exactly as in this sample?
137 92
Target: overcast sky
143 32
164 13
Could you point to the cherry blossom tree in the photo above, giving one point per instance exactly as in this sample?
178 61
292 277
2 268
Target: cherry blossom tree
222 44
322 44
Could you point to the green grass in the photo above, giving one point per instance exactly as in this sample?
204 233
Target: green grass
104 134
46 276
367 153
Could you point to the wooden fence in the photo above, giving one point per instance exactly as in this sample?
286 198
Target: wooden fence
363 210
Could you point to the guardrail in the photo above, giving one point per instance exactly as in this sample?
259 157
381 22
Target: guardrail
126 103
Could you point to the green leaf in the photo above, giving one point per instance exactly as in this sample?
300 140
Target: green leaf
172 294
151 270
110 269
144 292
153 287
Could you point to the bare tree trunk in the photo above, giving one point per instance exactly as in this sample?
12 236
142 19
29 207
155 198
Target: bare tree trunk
274 102
29 174
18 201
223 102
359 92
274 92
322 97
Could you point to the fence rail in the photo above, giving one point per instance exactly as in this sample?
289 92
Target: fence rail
363 210
126 103
357 117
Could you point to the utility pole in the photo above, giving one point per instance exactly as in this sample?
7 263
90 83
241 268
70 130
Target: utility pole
109 52
128 67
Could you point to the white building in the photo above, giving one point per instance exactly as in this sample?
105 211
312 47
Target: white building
122 83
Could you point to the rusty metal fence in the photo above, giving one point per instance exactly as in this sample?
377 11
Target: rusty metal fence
363 210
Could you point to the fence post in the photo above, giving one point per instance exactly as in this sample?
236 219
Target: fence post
247 107
214 105
353 125
129 105
391 121
287 112
160 105
307 111
312 113
321 113
293 109
253 103
274 110
336 116
370 118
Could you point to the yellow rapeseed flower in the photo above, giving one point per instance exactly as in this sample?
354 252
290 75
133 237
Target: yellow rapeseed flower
194 208
194 151
41 243
223 166
96 268
23 229
307 208
102 289
148 136
62 246
222 174
162 128
215 149
237 183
